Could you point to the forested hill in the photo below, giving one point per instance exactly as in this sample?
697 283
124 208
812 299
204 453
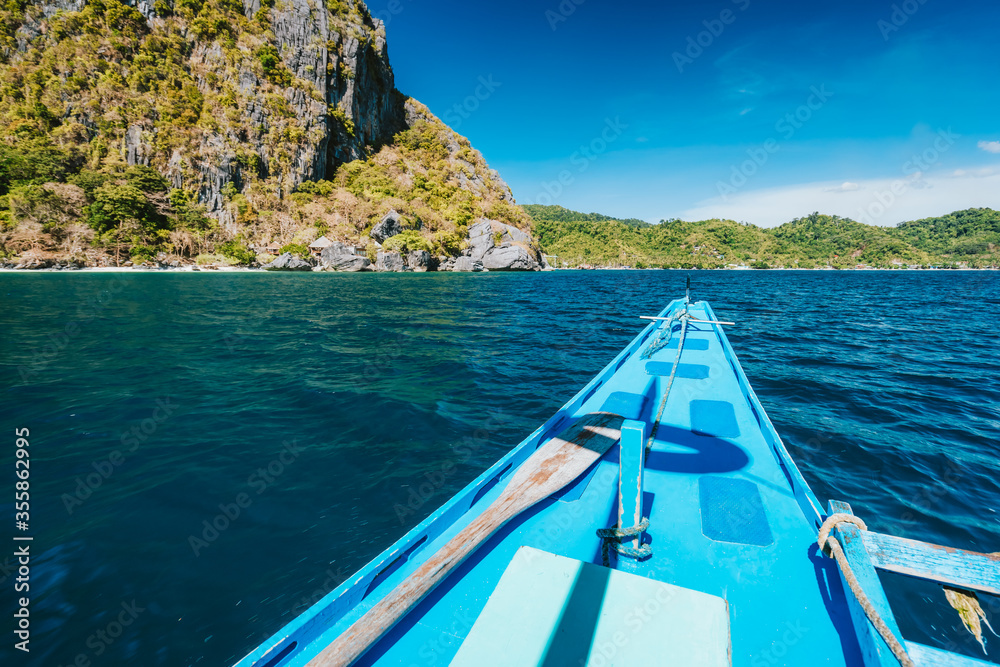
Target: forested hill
963 238
560 214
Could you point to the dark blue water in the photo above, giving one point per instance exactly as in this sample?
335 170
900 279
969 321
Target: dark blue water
304 416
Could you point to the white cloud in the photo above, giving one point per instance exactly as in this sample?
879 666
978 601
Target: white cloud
990 146
974 173
846 186
875 201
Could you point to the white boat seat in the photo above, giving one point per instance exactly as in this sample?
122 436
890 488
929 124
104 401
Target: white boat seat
555 611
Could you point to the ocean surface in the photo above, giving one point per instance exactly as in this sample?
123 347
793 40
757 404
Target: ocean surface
212 452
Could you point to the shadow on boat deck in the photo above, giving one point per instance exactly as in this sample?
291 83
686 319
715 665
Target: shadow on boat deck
574 631
832 592
709 454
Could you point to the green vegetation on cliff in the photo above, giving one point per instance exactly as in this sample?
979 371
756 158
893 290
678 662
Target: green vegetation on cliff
428 174
970 238
201 129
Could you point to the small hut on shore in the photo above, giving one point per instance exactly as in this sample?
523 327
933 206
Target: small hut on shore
316 247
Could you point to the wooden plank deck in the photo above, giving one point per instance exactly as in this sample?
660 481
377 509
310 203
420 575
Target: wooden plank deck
927 656
946 565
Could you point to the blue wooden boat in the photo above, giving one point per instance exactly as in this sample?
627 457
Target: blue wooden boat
655 519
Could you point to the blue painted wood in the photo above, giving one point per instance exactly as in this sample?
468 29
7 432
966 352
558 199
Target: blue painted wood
957 567
626 404
732 511
632 462
811 507
714 418
927 656
873 647
690 371
783 608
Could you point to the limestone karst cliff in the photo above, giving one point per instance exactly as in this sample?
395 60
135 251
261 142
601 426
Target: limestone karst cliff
217 128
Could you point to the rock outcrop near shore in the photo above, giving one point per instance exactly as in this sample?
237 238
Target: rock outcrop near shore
339 257
500 247
288 262
387 227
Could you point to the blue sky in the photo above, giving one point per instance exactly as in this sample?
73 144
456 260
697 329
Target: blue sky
754 110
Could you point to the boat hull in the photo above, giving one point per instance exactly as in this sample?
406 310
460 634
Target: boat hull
730 516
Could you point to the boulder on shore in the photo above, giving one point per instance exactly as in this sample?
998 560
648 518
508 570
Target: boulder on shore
480 239
510 257
288 262
501 247
338 257
418 260
467 264
34 263
387 227
390 262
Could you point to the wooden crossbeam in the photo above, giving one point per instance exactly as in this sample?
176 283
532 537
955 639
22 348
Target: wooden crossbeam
955 567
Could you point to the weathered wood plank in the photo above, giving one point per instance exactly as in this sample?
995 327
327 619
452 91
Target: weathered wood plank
873 648
927 656
966 569
554 465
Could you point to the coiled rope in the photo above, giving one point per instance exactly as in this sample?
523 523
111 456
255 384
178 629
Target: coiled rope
832 547
612 539
663 336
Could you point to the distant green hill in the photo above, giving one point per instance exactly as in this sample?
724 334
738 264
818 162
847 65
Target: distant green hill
561 214
975 231
964 238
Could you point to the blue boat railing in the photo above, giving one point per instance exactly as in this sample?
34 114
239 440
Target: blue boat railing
868 551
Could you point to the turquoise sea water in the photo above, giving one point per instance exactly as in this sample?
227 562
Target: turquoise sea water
210 453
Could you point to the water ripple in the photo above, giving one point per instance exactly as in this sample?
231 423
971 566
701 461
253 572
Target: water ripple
347 408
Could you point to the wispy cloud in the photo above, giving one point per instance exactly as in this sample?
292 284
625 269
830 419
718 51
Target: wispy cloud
846 186
884 201
990 146
982 172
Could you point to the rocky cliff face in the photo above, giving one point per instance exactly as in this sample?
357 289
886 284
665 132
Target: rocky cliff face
238 104
341 94
291 92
